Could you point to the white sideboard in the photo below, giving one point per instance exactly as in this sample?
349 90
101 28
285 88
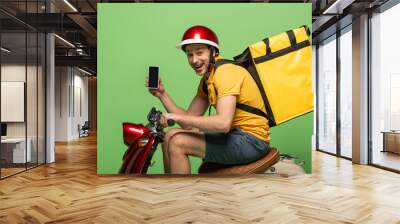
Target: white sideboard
17 146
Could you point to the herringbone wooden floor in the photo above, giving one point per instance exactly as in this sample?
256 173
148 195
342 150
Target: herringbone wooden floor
70 191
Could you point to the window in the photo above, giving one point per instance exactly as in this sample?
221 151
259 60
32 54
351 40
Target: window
327 95
346 92
385 89
22 65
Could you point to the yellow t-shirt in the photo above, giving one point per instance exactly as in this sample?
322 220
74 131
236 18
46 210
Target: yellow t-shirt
230 79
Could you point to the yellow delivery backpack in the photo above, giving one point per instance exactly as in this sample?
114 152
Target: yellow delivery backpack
281 67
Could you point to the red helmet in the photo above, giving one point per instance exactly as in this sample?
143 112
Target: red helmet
199 35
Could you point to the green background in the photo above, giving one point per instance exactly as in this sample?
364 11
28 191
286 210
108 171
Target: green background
133 36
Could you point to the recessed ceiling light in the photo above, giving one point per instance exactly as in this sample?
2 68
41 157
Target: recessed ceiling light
64 40
84 71
70 5
5 50
337 7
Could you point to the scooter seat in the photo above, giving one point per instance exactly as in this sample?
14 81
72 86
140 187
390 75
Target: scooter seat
259 166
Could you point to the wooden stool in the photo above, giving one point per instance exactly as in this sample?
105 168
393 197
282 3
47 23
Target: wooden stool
259 166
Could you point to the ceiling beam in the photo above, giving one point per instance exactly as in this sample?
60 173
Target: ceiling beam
86 61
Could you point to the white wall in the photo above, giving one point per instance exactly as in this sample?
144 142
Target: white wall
81 104
62 80
71 102
16 73
12 101
12 73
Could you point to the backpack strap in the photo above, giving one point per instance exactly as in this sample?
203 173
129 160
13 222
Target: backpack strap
252 110
204 87
254 74
244 107
216 65
222 62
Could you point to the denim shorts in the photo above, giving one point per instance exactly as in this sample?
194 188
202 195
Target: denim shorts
233 148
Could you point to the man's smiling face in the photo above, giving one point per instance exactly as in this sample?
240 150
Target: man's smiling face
198 56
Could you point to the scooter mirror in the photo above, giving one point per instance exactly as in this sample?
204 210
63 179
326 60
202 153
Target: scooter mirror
154 115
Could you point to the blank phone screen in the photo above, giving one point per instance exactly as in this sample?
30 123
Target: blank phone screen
153 77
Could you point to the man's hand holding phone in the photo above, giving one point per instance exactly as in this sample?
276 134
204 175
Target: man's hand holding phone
153 82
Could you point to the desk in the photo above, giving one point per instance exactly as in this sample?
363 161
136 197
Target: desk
13 150
391 141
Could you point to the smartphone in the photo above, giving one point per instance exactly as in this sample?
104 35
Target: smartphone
153 77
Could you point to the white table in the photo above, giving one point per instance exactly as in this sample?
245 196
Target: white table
17 145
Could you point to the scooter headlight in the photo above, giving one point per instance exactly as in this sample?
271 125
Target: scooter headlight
143 142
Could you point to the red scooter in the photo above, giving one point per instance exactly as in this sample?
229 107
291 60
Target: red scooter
142 142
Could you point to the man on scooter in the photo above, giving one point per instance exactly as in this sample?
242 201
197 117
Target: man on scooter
231 136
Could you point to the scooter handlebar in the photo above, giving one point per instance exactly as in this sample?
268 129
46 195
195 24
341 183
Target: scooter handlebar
170 122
